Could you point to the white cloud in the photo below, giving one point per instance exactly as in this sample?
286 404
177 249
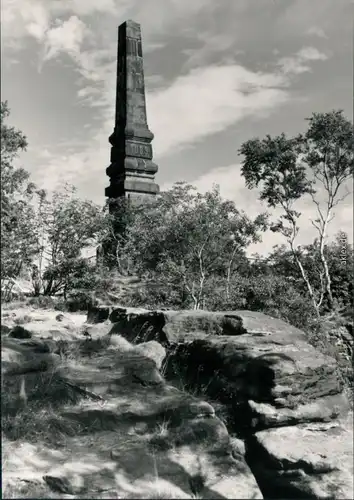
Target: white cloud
45 153
212 45
298 63
208 100
316 31
66 36
88 7
37 21
158 16
311 54
55 169
232 187
22 18
204 101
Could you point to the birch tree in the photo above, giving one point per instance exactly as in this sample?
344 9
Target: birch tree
316 164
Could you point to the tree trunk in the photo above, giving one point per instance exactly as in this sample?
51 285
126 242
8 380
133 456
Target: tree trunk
308 284
328 282
228 274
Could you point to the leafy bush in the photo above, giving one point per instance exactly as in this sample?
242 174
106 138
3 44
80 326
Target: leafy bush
333 335
43 302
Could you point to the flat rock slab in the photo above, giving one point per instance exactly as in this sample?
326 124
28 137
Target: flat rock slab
117 451
22 356
321 410
242 356
45 324
263 369
126 467
112 371
128 433
305 461
172 326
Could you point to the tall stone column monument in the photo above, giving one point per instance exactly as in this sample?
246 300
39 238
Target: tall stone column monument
132 171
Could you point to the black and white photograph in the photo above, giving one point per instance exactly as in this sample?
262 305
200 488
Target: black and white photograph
177 262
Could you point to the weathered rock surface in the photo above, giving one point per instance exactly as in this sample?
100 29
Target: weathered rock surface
19 332
132 434
19 357
152 350
264 370
312 460
173 326
272 380
43 324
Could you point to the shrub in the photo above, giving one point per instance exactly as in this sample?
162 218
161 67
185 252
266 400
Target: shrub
42 302
331 335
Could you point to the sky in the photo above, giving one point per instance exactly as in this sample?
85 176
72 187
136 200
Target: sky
217 73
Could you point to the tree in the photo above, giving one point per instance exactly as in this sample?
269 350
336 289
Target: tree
329 153
287 169
66 226
188 241
47 234
17 193
339 256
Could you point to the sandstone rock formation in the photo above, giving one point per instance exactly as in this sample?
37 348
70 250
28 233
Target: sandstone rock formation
284 398
118 429
268 416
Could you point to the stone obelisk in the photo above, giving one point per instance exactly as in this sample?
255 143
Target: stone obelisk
132 170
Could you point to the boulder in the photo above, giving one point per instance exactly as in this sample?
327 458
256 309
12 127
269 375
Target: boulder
304 461
119 343
70 483
19 332
274 384
171 327
206 432
261 366
5 330
152 350
98 314
55 331
112 373
20 358
290 379
321 409
40 346
96 331
128 431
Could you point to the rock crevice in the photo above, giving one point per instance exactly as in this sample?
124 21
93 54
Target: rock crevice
279 392
218 405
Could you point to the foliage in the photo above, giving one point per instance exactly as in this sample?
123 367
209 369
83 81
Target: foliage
184 239
17 236
12 143
49 234
267 293
189 249
332 334
287 169
339 256
66 226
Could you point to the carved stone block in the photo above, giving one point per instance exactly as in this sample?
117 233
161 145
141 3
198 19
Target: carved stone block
132 170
